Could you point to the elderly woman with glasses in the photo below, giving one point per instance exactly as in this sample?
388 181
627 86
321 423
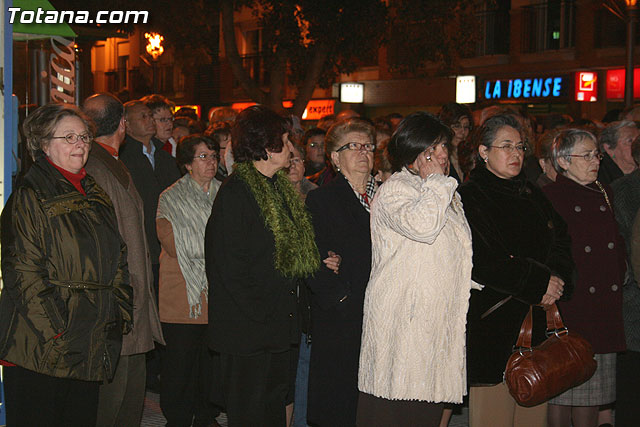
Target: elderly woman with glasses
522 257
66 300
183 211
340 212
595 309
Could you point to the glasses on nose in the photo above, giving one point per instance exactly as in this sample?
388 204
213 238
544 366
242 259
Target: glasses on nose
297 161
164 119
316 145
72 138
588 156
208 157
510 148
358 146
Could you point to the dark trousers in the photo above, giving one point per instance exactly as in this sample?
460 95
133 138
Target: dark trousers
154 357
186 376
256 388
34 399
121 401
627 383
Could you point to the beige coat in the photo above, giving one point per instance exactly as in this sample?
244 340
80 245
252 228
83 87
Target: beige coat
174 305
413 339
113 177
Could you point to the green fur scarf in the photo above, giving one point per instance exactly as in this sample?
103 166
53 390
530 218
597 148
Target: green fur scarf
296 254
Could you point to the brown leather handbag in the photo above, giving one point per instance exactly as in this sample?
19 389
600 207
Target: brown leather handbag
564 360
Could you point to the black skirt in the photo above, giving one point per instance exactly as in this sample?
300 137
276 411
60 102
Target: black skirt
377 411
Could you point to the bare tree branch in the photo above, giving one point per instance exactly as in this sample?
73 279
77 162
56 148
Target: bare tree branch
305 90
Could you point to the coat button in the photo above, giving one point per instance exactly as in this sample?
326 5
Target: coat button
610 245
290 314
592 290
587 249
292 291
614 288
602 208
577 209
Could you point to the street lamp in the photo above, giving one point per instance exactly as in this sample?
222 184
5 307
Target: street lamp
155 49
632 7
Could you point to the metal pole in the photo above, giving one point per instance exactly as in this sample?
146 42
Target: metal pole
631 35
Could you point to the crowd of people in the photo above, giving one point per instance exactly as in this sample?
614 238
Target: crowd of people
368 272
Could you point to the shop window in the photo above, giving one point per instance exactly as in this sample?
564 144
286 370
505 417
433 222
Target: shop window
252 58
548 26
611 30
123 66
495 29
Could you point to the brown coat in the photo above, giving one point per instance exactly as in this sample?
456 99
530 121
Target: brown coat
174 305
113 177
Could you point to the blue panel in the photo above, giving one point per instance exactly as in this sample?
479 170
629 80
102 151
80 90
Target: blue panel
9 112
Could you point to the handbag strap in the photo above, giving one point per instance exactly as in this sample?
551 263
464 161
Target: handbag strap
555 326
524 339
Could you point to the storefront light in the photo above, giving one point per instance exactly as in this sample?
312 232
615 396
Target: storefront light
352 93
466 89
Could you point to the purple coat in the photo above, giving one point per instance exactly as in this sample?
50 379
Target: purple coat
595 308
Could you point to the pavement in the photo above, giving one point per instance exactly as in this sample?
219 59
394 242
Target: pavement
152 416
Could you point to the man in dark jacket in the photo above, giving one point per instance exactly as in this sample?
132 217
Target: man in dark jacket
121 401
152 170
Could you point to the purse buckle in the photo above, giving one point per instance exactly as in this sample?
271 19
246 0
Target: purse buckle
557 332
522 349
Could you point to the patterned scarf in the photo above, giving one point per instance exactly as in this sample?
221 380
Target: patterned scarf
187 208
366 198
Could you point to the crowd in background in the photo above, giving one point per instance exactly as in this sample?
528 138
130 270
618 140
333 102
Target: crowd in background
369 271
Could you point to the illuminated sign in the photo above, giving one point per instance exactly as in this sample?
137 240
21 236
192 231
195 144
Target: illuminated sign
316 108
352 93
542 87
586 86
615 83
466 89
193 107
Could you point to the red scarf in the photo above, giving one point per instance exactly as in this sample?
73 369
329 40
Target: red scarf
73 178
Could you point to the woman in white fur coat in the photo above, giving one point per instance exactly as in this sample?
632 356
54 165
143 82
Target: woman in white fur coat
412 358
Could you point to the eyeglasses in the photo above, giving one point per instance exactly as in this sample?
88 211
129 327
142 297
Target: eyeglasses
316 145
297 161
208 157
358 146
72 138
588 156
510 148
164 119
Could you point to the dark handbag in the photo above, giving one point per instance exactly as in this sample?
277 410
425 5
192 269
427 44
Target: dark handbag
563 361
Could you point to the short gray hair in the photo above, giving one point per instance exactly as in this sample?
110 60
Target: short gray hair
563 145
39 126
609 135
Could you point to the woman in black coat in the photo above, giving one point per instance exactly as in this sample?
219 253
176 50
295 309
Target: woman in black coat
258 246
521 255
340 212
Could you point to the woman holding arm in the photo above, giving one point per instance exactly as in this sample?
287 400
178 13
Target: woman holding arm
521 255
340 212
259 244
